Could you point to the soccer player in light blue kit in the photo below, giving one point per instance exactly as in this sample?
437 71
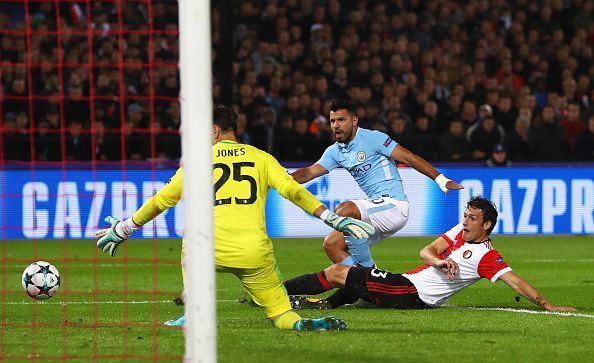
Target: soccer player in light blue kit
369 156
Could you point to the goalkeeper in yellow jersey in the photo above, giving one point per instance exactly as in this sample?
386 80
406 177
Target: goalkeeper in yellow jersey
242 175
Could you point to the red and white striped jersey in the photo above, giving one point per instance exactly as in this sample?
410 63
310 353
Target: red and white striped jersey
476 260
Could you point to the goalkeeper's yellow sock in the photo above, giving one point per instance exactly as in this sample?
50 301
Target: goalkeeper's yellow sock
286 320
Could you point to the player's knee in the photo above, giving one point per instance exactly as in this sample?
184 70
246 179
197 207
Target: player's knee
336 274
333 242
348 209
331 273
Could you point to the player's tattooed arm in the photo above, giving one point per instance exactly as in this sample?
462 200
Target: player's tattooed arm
304 175
540 301
300 176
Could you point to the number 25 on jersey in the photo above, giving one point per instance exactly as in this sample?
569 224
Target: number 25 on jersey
235 170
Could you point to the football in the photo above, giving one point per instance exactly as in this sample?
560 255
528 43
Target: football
41 280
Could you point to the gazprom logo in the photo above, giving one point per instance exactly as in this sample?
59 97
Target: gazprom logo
320 186
324 185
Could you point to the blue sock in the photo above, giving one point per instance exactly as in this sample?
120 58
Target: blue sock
349 261
359 249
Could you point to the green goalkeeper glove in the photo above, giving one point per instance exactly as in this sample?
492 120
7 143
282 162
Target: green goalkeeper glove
109 239
352 226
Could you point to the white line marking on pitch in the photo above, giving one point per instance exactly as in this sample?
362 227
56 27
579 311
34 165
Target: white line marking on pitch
525 311
559 260
510 310
84 302
98 302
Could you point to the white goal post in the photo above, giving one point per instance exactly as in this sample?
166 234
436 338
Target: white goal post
196 138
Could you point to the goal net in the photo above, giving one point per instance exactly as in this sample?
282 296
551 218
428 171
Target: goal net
90 117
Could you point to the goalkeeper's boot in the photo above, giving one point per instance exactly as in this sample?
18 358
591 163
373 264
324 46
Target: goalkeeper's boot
180 321
320 324
303 302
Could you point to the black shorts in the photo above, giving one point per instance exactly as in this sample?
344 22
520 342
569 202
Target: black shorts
384 289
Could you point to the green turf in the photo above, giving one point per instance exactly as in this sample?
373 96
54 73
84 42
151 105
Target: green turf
70 327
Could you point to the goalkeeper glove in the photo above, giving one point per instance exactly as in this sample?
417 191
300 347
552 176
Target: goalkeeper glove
352 226
109 239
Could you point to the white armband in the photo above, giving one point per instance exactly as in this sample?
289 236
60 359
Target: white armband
441 181
128 226
325 214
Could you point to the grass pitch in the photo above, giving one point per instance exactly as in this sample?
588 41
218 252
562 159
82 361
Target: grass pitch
112 309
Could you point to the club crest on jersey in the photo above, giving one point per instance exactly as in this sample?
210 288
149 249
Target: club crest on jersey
467 254
361 156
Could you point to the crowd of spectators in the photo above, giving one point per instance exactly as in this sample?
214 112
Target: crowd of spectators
99 84
452 81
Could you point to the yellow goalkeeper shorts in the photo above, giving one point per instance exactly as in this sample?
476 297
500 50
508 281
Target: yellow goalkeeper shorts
264 286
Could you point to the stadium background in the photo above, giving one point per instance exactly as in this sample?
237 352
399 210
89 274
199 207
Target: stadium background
70 204
89 119
79 86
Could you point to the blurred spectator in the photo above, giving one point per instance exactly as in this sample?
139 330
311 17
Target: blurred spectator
573 124
378 124
450 111
372 111
400 130
274 95
136 115
242 132
107 146
484 111
78 144
246 101
323 134
320 87
425 140
263 130
167 142
15 100
283 138
549 142
441 60
340 82
136 145
484 137
505 113
171 120
517 142
431 109
52 117
17 145
453 145
304 144
505 75
76 108
48 146
468 114
498 157
475 91
584 143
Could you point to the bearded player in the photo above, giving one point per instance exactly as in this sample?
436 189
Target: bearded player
370 157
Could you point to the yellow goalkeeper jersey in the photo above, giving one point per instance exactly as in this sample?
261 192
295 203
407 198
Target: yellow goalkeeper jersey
242 175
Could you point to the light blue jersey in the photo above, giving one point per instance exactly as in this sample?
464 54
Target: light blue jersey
367 158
